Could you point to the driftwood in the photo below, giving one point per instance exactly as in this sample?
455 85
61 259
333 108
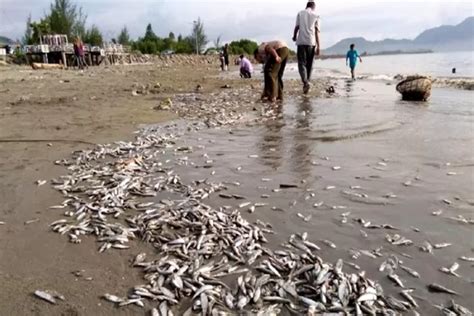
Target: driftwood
37 66
415 88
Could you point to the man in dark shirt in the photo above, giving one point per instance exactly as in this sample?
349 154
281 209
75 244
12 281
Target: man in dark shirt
226 57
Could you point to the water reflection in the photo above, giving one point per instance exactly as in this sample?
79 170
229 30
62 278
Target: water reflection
349 87
302 146
271 144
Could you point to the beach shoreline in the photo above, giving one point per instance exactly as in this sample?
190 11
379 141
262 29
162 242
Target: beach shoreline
47 115
114 112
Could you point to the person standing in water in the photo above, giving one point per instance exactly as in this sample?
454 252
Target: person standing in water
275 55
306 36
351 59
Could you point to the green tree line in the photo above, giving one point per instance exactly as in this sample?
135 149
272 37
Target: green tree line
66 17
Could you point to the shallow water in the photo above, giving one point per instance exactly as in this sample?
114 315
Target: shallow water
423 153
387 66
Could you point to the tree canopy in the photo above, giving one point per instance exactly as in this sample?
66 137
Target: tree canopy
198 36
124 37
65 17
93 36
243 46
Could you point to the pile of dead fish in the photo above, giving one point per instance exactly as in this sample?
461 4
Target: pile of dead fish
207 260
217 109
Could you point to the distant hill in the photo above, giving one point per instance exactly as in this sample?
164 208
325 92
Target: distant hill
443 38
5 40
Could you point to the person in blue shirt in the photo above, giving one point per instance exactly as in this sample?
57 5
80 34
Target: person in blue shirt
351 59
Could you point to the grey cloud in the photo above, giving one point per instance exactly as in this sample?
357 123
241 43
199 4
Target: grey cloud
255 20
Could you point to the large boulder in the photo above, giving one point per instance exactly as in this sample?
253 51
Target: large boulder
415 88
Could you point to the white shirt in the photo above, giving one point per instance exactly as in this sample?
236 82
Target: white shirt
308 23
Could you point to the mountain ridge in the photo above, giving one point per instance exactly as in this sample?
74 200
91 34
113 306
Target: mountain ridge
441 38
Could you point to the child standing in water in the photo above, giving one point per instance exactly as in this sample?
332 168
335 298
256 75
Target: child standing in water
351 59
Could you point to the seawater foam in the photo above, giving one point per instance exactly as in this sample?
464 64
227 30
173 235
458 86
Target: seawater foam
381 77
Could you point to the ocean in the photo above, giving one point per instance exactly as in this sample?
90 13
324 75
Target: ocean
387 66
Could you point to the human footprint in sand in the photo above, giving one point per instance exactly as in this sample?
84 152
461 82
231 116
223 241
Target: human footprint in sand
351 59
274 55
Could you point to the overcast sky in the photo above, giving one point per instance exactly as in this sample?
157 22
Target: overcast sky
257 19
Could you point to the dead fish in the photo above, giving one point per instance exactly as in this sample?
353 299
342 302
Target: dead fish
427 247
451 270
41 182
459 310
406 295
31 221
368 254
136 301
448 202
139 258
434 287
335 168
277 209
319 204
410 271
225 196
304 218
48 296
437 213
113 298
242 205
454 267
468 259
311 245
441 246
367 297
329 243
329 187
353 265
396 279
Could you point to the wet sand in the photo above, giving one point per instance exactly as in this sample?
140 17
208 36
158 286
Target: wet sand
44 117
382 145
379 143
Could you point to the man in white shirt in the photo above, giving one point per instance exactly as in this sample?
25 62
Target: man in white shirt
306 36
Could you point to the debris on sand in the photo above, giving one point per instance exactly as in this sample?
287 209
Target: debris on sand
198 246
49 296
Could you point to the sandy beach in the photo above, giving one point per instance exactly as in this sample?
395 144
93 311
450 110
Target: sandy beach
358 156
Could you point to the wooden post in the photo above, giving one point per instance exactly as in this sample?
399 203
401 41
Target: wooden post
63 55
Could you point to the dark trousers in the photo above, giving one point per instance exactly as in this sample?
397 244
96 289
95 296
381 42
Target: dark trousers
245 74
305 54
273 74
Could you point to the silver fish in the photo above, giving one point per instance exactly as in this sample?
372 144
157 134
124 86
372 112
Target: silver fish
410 271
44 295
434 287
